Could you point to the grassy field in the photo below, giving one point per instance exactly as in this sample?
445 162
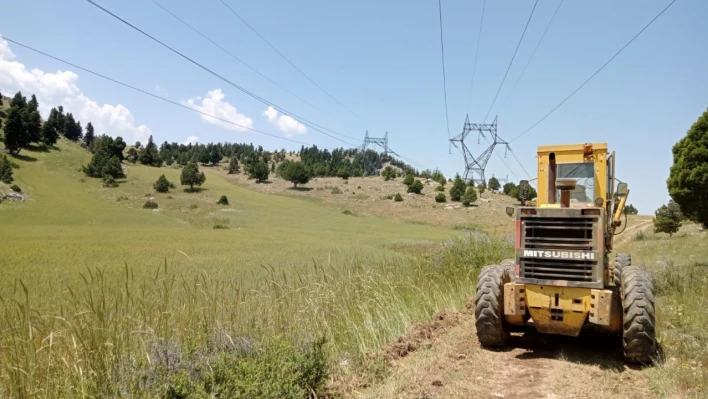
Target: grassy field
100 297
679 266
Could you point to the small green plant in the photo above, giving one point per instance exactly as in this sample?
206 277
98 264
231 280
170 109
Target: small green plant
389 197
346 182
223 200
416 187
348 212
469 197
358 187
640 236
440 188
149 204
15 188
109 182
398 198
220 226
193 206
440 197
408 180
336 190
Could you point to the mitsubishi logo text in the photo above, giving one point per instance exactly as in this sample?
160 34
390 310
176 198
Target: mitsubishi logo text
559 254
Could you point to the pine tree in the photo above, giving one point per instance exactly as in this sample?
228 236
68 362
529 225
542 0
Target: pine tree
191 176
408 180
481 188
103 164
469 197
458 188
494 184
214 156
416 187
18 101
15 133
5 170
507 187
668 218
296 173
149 154
259 171
49 133
34 127
89 136
233 165
72 129
162 185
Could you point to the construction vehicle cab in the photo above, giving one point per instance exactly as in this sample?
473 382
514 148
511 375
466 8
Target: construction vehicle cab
563 278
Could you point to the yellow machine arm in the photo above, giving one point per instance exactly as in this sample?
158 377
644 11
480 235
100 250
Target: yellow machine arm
616 222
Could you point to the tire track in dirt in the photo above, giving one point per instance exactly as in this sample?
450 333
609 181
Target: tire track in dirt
533 365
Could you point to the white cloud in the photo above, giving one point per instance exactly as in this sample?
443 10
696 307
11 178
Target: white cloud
191 140
60 88
287 124
214 104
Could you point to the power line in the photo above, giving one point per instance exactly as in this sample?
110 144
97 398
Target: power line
476 52
596 72
442 51
287 60
232 55
532 54
312 125
512 60
145 92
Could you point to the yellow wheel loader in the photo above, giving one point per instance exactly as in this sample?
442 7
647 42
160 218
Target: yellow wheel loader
563 278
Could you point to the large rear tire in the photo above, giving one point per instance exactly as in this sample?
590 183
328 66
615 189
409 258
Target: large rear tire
638 320
492 330
622 260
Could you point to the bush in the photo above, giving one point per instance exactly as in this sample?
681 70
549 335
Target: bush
416 187
440 188
358 187
389 197
219 226
440 197
109 182
458 189
162 185
336 190
343 173
388 173
122 198
348 212
494 184
223 200
398 198
296 173
5 170
508 187
469 197
150 205
668 219
233 165
15 188
408 180
481 188
193 206
630 210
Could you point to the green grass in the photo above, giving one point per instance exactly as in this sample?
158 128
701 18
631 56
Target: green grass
100 296
679 266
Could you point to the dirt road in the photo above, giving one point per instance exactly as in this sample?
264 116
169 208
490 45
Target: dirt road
452 365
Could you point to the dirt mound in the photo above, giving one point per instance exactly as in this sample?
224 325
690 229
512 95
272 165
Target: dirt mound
421 335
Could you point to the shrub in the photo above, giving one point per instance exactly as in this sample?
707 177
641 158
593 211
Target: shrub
5 170
343 173
193 206
416 187
233 165
191 176
494 184
219 226
109 182
346 182
223 200
481 188
336 190
149 204
122 198
388 173
440 188
408 180
348 212
507 188
458 189
358 187
398 198
668 219
162 185
389 197
15 188
440 197
630 210
469 197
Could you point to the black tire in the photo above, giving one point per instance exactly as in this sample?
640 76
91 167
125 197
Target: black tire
622 260
492 330
638 321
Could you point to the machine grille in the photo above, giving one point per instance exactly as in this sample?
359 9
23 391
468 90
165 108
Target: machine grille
558 234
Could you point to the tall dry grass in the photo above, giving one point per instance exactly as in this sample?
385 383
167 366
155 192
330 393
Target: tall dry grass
129 337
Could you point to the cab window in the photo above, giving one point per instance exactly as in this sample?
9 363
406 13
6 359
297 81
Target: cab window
584 175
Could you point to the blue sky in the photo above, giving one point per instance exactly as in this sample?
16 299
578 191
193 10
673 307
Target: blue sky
382 60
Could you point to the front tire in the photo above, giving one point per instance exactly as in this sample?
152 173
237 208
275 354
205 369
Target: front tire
492 330
638 320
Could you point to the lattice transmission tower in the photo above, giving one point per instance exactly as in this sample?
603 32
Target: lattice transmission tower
475 166
375 141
